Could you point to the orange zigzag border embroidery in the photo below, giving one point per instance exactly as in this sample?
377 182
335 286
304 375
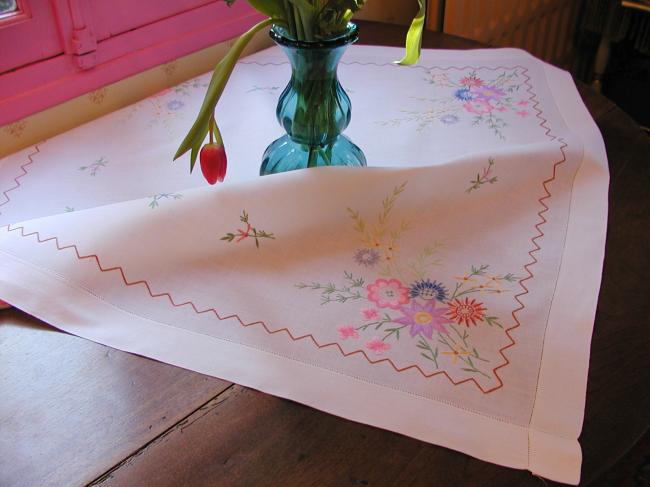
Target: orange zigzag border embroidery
16 179
543 123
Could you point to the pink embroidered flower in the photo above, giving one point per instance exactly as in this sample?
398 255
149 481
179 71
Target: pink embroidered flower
370 314
388 293
501 108
490 92
523 103
471 81
378 346
478 106
346 332
424 318
523 113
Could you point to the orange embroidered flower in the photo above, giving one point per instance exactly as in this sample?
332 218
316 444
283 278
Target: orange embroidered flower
464 312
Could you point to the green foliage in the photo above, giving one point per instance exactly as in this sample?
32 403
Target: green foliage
304 20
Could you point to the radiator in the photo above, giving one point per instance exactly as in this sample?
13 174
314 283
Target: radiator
545 28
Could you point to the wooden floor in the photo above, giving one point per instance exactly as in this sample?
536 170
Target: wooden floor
73 412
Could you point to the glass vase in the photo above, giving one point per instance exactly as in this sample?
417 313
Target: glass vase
313 109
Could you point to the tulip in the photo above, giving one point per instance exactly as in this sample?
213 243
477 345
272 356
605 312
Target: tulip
213 162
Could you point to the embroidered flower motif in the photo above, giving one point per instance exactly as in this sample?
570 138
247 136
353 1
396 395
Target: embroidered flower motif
440 79
490 93
175 105
522 103
464 312
449 119
426 289
346 332
471 81
478 106
464 94
366 257
370 314
424 318
388 293
378 346
523 113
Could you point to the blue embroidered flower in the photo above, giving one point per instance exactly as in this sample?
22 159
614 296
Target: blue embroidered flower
449 119
427 289
175 105
366 257
464 94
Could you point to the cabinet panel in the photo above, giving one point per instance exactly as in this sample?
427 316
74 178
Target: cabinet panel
29 36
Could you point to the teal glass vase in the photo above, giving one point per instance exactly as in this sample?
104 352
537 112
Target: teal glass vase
313 109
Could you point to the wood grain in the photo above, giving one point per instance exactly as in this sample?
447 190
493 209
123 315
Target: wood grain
70 409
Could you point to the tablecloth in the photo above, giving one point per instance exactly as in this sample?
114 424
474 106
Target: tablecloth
446 292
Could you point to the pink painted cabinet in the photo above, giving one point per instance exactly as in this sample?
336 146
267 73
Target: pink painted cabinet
54 50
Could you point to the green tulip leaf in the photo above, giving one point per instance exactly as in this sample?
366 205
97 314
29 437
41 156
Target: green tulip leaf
414 37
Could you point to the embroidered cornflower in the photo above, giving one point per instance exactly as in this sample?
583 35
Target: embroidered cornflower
175 105
366 257
346 332
370 314
464 94
449 119
378 346
388 293
465 311
427 289
471 81
424 319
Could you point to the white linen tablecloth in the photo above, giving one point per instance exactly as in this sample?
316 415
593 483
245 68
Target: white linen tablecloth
446 292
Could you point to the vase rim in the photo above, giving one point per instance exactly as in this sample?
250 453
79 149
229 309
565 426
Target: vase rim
350 35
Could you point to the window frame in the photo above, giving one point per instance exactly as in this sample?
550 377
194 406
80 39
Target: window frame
87 64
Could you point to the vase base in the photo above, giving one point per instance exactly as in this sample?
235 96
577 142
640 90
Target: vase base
286 155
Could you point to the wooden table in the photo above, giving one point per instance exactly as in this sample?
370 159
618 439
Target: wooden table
73 412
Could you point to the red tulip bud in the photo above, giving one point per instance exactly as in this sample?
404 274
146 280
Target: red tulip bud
213 162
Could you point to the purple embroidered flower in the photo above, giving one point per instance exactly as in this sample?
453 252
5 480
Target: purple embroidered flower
366 257
424 319
464 94
427 289
175 105
490 92
449 119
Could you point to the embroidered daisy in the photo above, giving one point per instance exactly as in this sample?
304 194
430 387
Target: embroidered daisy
346 332
370 314
479 106
366 257
490 93
424 319
449 119
471 81
388 293
377 346
466 312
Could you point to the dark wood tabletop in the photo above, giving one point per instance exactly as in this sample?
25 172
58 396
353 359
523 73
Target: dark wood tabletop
73 412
